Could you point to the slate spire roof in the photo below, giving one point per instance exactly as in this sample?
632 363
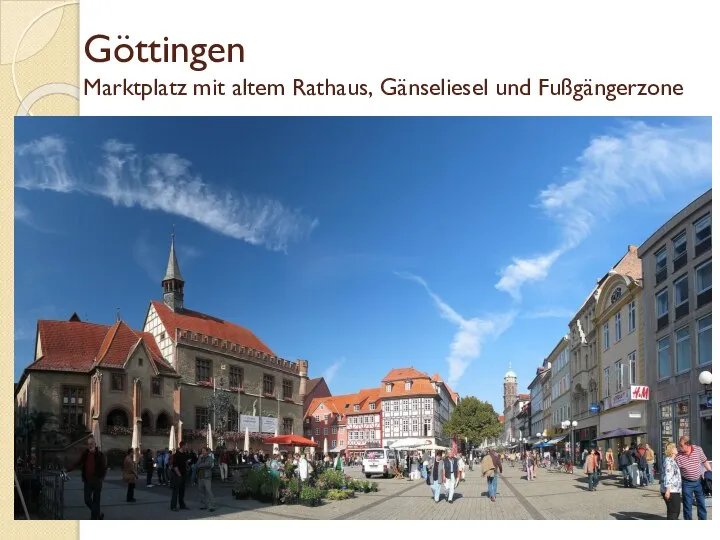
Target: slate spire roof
173 268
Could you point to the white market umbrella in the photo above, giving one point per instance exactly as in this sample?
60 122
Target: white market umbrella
135 444
312 448
297 449
178 435
408 443
209 437
432 446
325 448
96 435
246 445
172 444
276 447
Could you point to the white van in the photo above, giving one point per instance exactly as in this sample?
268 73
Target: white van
378 461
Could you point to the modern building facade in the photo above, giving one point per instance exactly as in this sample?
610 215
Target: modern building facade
623 388
677 302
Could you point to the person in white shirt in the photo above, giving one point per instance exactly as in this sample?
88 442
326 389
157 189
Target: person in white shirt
461 469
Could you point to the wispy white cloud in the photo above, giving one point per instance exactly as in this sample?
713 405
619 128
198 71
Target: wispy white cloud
471 334
637 165
164 183
550 313
24 215
332 370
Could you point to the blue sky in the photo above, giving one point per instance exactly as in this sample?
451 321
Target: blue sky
455 245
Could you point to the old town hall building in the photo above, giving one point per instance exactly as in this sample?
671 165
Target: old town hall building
104 379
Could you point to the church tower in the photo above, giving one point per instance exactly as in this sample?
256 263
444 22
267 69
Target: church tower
509 388
173 283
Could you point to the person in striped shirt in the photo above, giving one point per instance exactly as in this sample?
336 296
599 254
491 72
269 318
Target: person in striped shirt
691 460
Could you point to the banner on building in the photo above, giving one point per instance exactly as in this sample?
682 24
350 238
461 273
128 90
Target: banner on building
268 425
251 423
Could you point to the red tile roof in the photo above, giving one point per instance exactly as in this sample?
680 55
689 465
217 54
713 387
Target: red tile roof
523 397
80 346
404 374
501 419
201 323
364 398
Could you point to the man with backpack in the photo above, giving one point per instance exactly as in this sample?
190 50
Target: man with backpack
626 462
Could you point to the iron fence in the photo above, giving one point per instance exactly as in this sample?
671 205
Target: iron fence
44 494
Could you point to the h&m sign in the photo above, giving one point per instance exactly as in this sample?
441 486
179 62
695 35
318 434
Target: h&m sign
640 393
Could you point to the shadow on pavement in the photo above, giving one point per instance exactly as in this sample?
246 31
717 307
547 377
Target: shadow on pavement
635 515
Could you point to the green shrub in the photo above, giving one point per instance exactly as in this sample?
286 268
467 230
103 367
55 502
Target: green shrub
257 477
310 495
337 495
333 479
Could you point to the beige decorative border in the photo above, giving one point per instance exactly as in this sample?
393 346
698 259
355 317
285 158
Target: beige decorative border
38 76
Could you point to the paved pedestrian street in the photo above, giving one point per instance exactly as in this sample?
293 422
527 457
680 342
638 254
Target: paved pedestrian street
553 495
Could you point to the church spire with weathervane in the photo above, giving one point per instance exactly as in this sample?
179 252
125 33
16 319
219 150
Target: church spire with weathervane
173 283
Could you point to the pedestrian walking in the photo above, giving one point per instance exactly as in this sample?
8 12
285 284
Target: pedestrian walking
451 472
461 470
204 469
436 475
530 466
491 466
93 465
178 471
160 466
650 458
149 464
671 482
129 475
691 459
610 460
589 468
224 458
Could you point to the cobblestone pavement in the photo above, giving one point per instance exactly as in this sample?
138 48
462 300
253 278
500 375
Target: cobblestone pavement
553 495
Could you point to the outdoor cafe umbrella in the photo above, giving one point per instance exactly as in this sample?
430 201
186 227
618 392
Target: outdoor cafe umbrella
619 434
432 446
291 440
246 446
172 444
276 446
209 437
325 446
312 448
543 444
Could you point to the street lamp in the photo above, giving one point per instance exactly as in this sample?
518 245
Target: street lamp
706 380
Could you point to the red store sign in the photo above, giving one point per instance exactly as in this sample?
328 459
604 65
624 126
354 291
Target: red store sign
640 393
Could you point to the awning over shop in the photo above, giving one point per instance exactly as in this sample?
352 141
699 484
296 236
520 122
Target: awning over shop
533 440
557 440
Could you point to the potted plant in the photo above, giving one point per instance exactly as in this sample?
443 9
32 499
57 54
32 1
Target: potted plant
310 496
336 495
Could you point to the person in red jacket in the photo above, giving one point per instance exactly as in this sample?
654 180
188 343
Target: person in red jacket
93 465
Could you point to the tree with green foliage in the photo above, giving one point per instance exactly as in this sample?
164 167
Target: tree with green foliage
475 420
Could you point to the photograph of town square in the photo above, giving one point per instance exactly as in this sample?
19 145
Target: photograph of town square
363 318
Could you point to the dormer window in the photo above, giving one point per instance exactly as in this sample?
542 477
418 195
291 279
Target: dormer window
356 408
321 406
388 387
372 406
408 385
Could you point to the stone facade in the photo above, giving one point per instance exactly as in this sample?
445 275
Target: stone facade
560 381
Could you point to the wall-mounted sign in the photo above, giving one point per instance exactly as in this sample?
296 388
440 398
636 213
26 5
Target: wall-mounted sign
621 398
641 393
633 414
251 423
594 408
268 425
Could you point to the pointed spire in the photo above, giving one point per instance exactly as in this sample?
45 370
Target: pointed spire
173 268
117 314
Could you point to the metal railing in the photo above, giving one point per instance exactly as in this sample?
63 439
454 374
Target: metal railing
43 491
